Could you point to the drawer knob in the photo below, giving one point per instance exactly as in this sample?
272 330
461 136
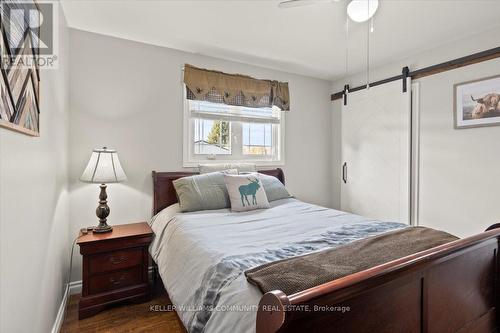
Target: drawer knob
116 261
116 282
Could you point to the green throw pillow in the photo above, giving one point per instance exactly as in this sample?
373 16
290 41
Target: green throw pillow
275 190
203 192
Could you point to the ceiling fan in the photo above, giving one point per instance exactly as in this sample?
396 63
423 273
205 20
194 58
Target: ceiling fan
358 10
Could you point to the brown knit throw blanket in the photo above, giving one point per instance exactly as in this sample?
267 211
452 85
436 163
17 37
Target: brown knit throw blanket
303 272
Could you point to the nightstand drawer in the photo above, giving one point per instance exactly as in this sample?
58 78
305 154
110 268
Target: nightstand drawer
115 280
111 261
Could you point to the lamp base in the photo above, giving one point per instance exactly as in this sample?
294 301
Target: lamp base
102 212
102 228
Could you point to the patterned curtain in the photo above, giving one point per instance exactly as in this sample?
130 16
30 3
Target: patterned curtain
235 89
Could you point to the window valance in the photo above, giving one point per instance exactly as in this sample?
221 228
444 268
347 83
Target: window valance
235 89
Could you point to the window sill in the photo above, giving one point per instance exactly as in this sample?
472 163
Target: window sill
194 164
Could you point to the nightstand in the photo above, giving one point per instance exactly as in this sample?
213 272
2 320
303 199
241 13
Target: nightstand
115 267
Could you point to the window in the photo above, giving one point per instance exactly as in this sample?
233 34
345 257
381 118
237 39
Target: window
211 137
257 139
220 132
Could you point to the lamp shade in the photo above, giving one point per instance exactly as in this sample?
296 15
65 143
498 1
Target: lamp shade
104 167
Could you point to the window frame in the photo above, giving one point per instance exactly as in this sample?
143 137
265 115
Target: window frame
191 160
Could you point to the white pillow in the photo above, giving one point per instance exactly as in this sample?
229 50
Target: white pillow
246 192
241 167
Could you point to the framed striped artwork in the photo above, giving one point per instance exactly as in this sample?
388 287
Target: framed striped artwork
20 75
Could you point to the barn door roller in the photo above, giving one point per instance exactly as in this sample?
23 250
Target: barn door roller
346 90
405 75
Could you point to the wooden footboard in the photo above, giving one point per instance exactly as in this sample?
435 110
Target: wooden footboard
450 288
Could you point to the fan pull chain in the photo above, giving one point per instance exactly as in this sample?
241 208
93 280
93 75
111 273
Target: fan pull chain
346 46
368 49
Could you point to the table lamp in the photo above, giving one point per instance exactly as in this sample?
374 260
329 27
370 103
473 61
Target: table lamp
103 168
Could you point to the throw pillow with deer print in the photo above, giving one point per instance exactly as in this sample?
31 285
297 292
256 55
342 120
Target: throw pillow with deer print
246 192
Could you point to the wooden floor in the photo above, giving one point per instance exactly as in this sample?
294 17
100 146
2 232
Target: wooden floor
125 318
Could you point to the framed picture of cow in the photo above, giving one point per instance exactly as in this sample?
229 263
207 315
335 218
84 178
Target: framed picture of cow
477 103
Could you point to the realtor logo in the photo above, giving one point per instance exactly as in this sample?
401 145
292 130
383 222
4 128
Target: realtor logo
28 34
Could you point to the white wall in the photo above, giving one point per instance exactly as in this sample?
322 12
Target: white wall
459 169
34 224
128 96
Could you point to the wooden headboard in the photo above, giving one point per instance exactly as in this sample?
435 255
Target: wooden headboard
163 189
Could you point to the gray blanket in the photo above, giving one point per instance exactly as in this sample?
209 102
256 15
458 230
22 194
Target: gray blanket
303 272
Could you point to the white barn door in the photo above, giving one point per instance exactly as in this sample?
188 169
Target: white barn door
376 132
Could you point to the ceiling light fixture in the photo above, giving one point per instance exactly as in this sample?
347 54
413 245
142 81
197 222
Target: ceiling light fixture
361 10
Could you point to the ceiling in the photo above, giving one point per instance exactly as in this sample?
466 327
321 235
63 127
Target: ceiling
308 40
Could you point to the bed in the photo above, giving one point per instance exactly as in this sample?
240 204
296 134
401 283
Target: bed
201 258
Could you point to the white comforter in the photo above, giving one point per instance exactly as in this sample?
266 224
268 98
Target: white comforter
201 256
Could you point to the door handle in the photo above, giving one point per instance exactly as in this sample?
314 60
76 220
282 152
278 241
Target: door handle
344 173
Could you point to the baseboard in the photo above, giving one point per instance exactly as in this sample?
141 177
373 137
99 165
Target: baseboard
74 287
60 313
